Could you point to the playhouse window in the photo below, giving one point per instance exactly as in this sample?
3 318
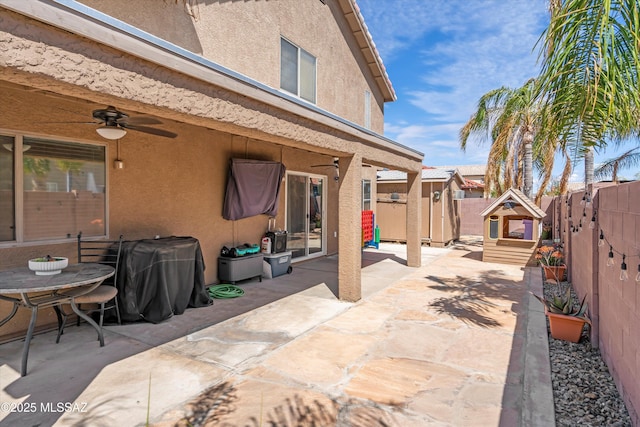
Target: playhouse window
493 227
517 227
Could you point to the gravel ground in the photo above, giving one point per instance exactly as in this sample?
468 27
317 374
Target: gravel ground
583 390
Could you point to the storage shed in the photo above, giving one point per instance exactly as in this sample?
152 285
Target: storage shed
511 229
441 193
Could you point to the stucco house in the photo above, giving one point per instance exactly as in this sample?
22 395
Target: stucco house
441 192
296 82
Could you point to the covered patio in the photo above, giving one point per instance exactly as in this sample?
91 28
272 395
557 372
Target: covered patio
170 180
78 369
289 346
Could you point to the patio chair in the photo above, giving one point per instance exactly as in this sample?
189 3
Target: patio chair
104 296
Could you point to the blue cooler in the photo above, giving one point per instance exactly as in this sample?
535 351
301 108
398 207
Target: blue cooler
274 265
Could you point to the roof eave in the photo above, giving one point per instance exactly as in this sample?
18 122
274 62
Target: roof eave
368 48
82 20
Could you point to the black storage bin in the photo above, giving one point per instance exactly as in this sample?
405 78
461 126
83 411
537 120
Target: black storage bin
278 241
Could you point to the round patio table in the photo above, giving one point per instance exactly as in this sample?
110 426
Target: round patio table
24 288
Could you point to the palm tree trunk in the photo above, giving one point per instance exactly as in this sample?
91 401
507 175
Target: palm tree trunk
566 172
528 163
588 167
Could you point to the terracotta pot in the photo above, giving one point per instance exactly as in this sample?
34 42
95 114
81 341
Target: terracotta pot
563 327
554 272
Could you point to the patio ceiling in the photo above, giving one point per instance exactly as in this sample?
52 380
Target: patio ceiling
187 88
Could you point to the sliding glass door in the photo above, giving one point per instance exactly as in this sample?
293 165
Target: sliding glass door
306 231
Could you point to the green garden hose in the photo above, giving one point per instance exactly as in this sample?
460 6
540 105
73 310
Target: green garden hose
225 291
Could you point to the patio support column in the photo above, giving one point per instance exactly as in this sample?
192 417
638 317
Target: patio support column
350 228
414 218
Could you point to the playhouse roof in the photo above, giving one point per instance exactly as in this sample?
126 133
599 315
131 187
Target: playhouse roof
517 197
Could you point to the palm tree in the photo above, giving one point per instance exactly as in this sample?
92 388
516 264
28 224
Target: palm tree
520 129
610 167
590 68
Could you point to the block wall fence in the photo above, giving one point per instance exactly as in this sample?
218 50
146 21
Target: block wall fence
591 226
614 304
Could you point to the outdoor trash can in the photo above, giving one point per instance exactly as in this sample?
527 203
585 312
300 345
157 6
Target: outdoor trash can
231 270
275 265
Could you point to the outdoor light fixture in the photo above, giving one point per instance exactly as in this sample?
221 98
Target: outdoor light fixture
592 224
601 241
111 132
623 269
118 163
638 275
610 259
436 196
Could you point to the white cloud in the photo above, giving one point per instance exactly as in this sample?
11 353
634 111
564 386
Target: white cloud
437 144
457 50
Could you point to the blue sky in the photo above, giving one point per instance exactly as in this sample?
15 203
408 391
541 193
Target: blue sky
443 55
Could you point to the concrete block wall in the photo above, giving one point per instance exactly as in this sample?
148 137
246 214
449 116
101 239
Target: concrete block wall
614 304
471 223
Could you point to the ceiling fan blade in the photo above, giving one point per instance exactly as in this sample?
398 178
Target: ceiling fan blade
74 123
152 131
139 121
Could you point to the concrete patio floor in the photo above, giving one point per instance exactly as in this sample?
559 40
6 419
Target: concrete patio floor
456 342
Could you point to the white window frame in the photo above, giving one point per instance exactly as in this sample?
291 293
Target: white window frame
367 109
364 199
300 73
18 186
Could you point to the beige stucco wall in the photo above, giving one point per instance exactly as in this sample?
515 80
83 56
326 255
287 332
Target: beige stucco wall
51 80
167 187
244 36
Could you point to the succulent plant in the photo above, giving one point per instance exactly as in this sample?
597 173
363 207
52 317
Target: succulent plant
565 305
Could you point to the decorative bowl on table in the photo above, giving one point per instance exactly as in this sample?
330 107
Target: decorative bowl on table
48 265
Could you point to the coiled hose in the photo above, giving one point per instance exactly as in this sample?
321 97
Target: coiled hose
225 291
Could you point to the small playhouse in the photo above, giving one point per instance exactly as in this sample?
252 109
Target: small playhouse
512 227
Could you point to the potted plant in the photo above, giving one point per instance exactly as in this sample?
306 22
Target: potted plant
551 259
566 319
48 265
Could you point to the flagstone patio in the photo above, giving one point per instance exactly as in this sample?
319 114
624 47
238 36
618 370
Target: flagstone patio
453 342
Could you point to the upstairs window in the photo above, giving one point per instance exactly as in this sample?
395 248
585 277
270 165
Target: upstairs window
367 109
297 71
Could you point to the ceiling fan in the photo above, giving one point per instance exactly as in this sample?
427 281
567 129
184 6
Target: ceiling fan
335 165
115 124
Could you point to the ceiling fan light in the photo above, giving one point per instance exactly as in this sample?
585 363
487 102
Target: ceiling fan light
111 132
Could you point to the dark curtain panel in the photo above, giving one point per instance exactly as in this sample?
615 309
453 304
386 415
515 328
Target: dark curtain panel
253 188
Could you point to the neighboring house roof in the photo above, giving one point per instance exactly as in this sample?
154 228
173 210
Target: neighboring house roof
368 48
466 170
428 174
470 184
575 186
518 197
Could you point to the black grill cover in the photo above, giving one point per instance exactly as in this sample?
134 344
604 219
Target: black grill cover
158 278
